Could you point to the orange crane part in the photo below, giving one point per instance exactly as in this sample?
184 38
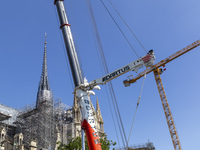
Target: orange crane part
163 62
157 71
166 108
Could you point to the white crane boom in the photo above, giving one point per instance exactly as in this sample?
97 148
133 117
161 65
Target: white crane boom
83 89
146 61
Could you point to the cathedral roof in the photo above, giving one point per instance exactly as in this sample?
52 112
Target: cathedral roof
8 114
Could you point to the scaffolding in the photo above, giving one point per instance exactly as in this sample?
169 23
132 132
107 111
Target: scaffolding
64 120
146 146
46 124
8 114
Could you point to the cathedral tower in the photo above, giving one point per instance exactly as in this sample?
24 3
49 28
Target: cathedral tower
45 121
100 122
77 118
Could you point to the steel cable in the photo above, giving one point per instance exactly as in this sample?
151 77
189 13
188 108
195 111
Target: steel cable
127 26
138 102
117 113
103 72
119 28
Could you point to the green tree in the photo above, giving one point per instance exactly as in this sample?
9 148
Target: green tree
105 143
75 143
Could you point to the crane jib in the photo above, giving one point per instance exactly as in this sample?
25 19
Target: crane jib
146 61
116 73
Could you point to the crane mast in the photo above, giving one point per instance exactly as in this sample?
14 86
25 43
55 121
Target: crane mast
157 71
166 108
83 96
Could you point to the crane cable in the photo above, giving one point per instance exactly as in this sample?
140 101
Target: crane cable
102 66
127 26
119 28
133 50
100 48
138 102
112 115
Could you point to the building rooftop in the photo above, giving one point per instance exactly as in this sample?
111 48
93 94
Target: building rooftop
8 114
4 116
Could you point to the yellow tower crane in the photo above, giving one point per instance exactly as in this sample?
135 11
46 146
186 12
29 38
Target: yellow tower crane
157 71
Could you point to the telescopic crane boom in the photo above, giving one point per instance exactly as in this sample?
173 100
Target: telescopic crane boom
146 61
157 71
83 89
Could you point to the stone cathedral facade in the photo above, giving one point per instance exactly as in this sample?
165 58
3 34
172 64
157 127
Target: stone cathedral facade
39 127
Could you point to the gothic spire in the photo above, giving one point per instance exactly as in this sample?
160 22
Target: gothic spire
75 103
44 84
98 111
43 89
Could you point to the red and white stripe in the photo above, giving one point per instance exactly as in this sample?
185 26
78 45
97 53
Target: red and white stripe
146 58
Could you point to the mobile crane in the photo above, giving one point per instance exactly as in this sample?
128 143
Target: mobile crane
83 89
157 71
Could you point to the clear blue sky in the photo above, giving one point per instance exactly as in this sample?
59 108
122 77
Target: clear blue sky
165 26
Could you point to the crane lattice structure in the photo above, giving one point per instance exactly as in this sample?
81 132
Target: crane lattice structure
166 108
157 71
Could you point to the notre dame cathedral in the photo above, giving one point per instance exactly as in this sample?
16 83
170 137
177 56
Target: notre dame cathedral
41 125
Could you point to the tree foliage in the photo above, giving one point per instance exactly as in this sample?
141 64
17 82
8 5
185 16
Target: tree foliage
75 144
105 143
